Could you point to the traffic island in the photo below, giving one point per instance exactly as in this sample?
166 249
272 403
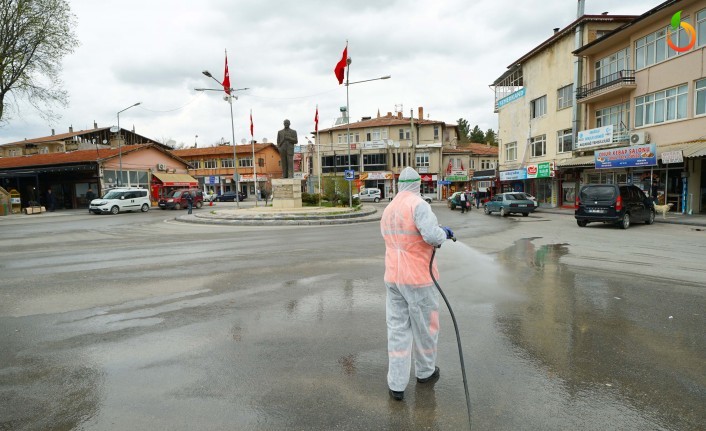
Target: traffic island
272 216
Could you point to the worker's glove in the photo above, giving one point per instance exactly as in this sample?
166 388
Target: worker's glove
449 232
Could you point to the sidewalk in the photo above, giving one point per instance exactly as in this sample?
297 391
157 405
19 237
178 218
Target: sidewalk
672 217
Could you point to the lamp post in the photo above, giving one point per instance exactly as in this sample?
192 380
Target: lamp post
229 97
348 122
120 144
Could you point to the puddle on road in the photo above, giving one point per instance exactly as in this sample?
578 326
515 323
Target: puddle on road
606 336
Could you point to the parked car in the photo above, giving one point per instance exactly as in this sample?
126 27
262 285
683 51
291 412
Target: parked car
612 203
368 195
209 196
428 197
230 197
510 203
532 198
176 200
121 200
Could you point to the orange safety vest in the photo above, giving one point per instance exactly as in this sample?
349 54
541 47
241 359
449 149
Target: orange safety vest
407 255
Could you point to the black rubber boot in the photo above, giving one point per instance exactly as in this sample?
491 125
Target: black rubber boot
399 396
433 378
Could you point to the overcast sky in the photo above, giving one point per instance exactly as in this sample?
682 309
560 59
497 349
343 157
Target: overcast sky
442 55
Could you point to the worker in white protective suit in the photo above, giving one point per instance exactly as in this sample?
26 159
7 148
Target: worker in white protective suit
411 232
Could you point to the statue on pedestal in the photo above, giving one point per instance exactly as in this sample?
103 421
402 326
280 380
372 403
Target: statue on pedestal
286 140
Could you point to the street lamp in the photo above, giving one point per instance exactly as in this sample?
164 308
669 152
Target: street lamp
229 97
348 122
120 144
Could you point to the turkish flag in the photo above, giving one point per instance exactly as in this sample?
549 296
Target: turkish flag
316 120
449 168
251 125
341 66
226 78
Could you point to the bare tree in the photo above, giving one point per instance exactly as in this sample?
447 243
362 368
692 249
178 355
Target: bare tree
34 37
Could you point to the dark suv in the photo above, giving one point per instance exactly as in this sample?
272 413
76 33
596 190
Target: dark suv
176 200
612 203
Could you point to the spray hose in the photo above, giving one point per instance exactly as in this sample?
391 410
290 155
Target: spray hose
458 337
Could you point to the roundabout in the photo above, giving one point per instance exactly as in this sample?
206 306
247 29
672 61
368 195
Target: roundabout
269 216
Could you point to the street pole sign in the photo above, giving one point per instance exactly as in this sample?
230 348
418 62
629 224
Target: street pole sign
349 174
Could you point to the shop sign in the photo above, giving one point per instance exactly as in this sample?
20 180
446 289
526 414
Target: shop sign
594 137
457 178
384 175
626 157
672 157
375 145
539 170
247 178
511 98
212 179
299 176
516 174
428 177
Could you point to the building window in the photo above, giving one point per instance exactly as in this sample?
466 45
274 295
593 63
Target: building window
436 133
354 137
486 164
538 145
511 151
701 27
617 115
245 162
538 107
472 164
665 105
700 97
375 162
422 159
607 67
226 163
565 97
653 48
196 164
44 150
404 134
563 140
210 164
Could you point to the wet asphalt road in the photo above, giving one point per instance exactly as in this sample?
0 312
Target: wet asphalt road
138 322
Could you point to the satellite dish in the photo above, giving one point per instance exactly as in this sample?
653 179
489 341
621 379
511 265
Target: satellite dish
114 129
264 140
105 141
243 141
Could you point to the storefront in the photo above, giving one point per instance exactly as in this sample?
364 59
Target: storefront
482 182
382 180
513 181
542 183
163 183
458 181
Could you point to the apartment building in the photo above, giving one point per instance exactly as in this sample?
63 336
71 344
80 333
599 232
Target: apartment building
645 94
213 167
470 165
381 147
534 100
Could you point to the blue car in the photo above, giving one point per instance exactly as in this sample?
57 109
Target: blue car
510 203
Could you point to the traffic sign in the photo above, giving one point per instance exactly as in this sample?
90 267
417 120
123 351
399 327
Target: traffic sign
349 174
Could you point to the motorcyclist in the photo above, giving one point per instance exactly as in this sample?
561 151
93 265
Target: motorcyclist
411 231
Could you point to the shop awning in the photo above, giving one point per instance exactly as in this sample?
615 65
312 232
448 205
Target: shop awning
171 180
689 149
577 161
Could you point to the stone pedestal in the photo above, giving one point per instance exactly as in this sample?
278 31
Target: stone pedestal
287 193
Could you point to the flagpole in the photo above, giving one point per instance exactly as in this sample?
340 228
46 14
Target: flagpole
254 168
348 127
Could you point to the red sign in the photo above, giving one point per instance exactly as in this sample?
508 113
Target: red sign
532 170
426 177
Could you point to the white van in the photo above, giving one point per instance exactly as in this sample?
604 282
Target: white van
120 200
369 195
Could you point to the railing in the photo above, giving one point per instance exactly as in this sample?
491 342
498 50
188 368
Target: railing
621 77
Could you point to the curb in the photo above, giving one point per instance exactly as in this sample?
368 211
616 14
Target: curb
285 219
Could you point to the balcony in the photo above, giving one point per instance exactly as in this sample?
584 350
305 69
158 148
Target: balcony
609 86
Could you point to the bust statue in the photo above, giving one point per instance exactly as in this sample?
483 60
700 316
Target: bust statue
286 140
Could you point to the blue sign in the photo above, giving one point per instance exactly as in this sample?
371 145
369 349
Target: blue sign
517 174
626 157
511 98
349 174
444 183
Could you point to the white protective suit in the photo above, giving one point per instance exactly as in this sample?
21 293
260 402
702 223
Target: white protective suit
411 232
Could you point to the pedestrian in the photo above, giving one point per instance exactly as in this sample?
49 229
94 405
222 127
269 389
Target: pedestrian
189 200
655 192
477 193
51 202
463 198
411 231
89 197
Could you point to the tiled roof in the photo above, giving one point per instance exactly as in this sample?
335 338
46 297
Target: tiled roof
474 149
220 150
73 157
67 136
383 122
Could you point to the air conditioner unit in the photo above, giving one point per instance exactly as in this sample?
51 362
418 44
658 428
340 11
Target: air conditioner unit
639 138
161 167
